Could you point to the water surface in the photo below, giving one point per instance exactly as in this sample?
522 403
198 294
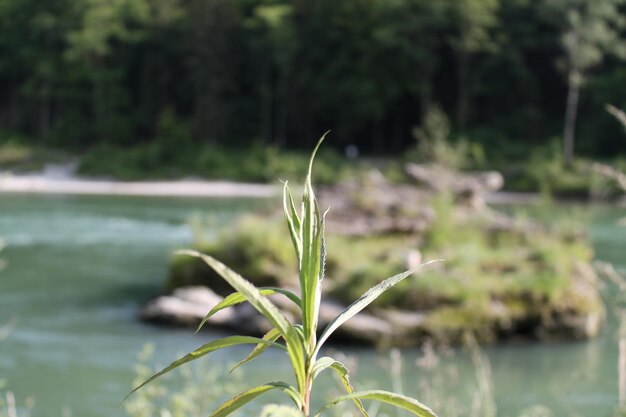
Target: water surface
78 268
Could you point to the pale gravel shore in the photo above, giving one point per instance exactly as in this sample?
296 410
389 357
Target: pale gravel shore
512 197
37 184
53 182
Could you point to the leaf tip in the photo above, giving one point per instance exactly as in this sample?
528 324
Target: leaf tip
188 252
319 143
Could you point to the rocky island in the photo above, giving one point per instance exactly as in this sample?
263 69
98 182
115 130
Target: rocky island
504 277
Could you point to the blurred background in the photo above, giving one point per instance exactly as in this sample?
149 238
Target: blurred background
155 88
486 132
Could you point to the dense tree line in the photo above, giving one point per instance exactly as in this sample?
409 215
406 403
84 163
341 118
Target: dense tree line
77 73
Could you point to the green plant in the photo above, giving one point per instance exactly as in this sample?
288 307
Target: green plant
300 340
434 144
190 398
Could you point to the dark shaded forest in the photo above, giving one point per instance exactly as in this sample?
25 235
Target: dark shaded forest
75 74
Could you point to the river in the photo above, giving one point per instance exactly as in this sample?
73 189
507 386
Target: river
78 269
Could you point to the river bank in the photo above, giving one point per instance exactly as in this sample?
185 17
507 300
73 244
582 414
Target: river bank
54 182
42 184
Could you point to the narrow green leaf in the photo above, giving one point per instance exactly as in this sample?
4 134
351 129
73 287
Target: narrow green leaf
310 265
366 299
342 372
319 143
293 221
398 400
292 210
204 350
300 333
323 245
245 397
264 306
272 336
320 365
238 298
248 291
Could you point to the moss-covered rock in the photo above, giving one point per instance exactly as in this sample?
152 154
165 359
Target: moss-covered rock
502 277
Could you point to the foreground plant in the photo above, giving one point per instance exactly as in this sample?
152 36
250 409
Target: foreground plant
299 341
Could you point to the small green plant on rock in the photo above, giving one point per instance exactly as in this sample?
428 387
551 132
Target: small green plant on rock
299 341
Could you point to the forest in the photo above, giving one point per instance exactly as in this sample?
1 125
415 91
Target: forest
511 75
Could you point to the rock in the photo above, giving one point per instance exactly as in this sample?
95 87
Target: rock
579 316
187 306
408 326
373 206
468 188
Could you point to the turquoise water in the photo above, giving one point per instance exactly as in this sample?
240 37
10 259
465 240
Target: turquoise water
78 269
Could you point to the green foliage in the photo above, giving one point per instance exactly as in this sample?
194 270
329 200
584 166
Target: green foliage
590 31
545 171
526 268
198 389
526 271
175 156
80 74
16 154
434 144
300 340
475 19
251 243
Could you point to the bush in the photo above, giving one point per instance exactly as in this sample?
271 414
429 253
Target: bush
545 171
434 144
172 156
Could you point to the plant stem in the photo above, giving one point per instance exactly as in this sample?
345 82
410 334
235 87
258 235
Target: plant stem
307 396
570 120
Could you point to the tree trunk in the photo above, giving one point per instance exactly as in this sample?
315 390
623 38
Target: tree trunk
96 102
14 106
425 98
282 109
569 126
462 89
44 109
266 106
378 138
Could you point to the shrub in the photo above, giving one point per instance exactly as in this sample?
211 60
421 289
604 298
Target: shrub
434 145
